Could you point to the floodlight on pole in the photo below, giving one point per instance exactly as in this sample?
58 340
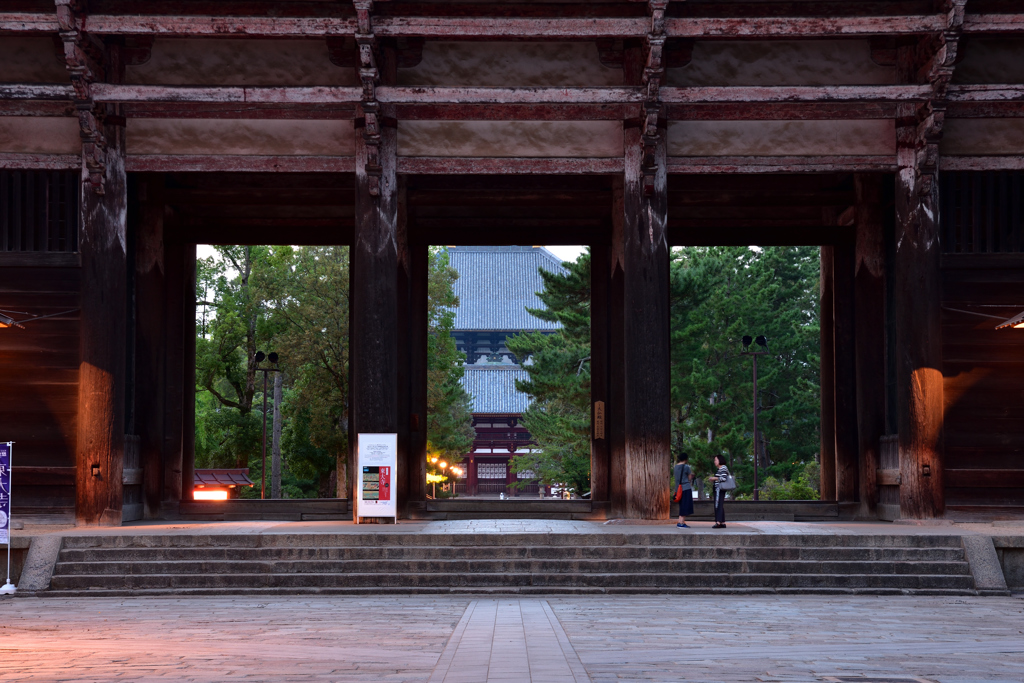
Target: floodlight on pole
8 321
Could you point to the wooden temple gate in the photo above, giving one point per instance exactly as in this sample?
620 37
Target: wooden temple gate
629 126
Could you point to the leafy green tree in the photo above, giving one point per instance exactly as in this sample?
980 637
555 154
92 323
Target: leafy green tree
559 379
449 419
720 294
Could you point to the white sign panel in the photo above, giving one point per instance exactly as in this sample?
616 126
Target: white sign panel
377 465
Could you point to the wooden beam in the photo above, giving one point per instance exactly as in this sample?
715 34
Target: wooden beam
869 303
50 162
1000 163
774 164
509 165
177 163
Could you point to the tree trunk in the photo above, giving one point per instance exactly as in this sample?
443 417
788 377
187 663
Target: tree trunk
275 453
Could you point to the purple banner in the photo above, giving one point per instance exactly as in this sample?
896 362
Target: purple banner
5 492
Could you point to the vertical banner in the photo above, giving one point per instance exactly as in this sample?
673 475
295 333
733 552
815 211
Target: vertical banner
376 463
5 492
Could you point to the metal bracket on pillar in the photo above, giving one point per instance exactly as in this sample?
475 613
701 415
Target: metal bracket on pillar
654 71
83 57
369 77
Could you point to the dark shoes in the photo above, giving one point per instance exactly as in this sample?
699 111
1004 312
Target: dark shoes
684 525
718 526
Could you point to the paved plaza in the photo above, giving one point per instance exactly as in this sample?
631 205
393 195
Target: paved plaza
476 639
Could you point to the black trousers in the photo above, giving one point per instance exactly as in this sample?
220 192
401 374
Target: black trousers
719 506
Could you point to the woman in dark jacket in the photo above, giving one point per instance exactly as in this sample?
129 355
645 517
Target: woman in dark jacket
719 478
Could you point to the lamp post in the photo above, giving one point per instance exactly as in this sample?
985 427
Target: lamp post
762 341
273 358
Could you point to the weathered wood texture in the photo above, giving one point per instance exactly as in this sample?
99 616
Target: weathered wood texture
101 399
417 387
845 364
827 455
646 340
983 371
616 410
174 381
869 306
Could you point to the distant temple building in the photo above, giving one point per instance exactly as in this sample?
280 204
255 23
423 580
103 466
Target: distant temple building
495 287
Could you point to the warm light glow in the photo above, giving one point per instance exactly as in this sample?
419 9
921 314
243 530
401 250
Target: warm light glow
210 495
1019 326
442 464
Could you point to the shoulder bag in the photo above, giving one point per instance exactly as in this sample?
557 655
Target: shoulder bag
729 484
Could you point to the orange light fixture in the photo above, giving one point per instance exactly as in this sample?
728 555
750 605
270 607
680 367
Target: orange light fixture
212 494
1016 322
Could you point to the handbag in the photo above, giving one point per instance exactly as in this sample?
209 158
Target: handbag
679 494
728 485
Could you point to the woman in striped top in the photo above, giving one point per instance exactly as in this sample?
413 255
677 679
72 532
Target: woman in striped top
719 478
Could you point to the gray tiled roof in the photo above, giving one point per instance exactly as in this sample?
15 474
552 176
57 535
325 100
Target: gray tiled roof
496 284
494 389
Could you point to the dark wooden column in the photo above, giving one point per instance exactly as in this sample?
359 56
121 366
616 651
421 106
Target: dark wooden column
374 336
417 388
828 378
615 412
405 283
870 333
188 408
646 338
174 364
599 309
101 398
847 464
150 339
917 304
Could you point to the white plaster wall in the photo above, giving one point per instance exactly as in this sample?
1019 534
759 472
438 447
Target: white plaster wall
781 62
510 64
573 139
991 60
982 137
241 137
225 61
781 138
30 60
39 135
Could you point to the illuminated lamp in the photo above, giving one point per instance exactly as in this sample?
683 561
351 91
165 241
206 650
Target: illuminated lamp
6 321
1016 322
210 494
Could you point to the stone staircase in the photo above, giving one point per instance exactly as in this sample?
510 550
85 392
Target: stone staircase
607 562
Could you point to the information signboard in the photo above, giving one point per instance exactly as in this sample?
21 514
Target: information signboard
5 492
376 465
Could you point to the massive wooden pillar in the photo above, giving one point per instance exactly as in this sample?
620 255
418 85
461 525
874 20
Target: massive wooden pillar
645 266
374 336
150 339
176 296
615 411
827 456
101 398
918 293
416 456
599 310
870 333
847 466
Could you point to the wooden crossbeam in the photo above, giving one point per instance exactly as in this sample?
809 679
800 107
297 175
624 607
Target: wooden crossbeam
512 27
107 92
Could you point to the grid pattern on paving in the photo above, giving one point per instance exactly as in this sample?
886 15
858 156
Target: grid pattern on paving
698 638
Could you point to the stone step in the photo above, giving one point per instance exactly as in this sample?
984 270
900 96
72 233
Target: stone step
153 554
475 567
512 540
505 581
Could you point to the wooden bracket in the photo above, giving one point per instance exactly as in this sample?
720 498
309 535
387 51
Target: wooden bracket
84 58
654 72
369 76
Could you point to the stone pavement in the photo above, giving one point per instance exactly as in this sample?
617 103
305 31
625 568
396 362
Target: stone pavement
679 638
